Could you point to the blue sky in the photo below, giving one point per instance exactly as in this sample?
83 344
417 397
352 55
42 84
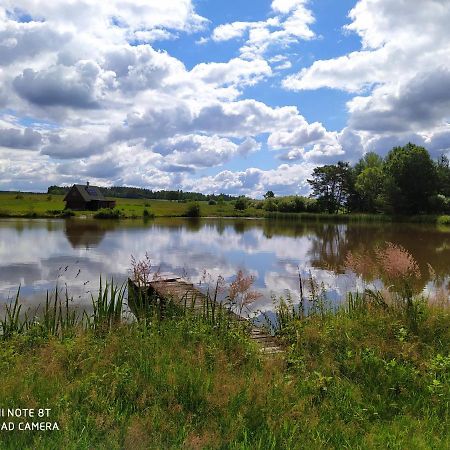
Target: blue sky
237 97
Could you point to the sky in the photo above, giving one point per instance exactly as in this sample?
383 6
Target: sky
238 97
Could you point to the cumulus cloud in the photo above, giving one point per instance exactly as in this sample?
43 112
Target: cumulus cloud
419 103
231 119
236 71
401 76
291 22
188 152
283 180
100 101
76 87
72 144
21 139
299 136
19 41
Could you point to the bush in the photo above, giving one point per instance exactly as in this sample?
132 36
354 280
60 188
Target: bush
19 196
66 213
148 214
108 213
443 220
212 202
60 212
193 210
240 204
270 205
439 204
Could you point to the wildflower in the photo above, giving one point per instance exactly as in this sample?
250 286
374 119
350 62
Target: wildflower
141 269
396 262
361 264
239 294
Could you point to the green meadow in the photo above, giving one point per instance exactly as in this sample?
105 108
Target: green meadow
13 204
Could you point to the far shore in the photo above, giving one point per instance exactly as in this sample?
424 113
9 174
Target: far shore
45 206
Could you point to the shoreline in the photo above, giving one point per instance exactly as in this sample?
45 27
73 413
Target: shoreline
287 217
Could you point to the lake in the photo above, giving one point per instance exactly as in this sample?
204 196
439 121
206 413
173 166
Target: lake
37 254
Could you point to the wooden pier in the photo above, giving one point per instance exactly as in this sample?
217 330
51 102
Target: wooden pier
185 294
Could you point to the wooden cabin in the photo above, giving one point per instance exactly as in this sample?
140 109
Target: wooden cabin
87 197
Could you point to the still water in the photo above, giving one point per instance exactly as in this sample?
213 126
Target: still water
38 254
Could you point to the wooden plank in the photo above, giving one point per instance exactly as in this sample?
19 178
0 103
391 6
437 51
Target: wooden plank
181 291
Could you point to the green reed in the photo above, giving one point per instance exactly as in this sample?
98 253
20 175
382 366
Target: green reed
107 306
12 322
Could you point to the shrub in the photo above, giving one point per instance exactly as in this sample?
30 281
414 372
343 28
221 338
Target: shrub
240 204
270 205
193 210
108 213
443 220
60 212
49 198
19 196
439 204
212 202
66 213
148 214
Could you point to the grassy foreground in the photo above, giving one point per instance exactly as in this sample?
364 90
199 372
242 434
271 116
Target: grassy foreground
362 377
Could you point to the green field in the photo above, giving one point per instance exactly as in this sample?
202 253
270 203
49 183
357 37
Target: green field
29 205
43 205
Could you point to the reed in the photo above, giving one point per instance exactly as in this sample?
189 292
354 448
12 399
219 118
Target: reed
13 323
107 306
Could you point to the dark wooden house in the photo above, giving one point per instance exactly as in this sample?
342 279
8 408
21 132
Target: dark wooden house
87 197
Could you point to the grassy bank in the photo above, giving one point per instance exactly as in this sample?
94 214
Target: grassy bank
43 205
364 376
52 206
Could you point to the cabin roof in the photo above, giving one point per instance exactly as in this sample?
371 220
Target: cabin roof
88 192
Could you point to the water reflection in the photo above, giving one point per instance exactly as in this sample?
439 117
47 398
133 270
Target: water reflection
87 234
38 254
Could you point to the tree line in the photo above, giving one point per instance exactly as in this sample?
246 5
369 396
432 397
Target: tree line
134 192
407 181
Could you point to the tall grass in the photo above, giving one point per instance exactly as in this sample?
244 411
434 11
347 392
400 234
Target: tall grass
356 377
324 217
58 319
107 306
58 316
12 322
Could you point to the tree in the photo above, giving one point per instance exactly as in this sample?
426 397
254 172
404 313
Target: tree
331 185
443 176
269 194
368 161
369 186
241 204
410 179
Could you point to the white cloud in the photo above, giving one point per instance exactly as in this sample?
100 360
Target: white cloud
401 73
285 179
84 93
236 71
291 23
233 30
